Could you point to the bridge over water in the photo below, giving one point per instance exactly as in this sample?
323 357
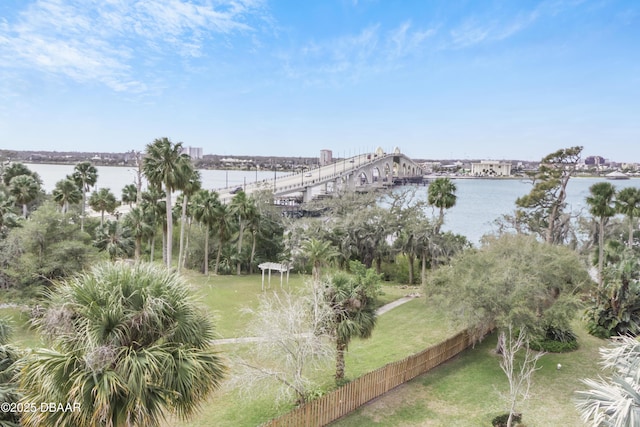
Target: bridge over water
363 171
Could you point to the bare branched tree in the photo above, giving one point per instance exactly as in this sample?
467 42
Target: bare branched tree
292 342
519 374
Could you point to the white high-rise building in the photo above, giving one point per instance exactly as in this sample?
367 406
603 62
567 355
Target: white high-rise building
326 157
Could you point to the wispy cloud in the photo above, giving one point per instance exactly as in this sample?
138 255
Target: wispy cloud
102 40
351 56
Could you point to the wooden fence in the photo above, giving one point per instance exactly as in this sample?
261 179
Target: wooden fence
356 393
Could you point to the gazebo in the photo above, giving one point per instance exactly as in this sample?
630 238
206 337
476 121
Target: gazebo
277 267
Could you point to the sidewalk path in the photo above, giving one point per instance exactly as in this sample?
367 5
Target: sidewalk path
380 311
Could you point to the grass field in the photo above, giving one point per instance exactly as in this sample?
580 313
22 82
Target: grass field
467 391
463 392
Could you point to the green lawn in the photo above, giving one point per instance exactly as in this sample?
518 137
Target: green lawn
466 391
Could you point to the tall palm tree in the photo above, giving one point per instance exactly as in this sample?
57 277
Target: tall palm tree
601 206
129 194
24 189
162 165
224 224
136 221
153 209
205 210
17 169
628 203
241 208
191 185
66 193
103 201
352 302
441 194
130 347
85 176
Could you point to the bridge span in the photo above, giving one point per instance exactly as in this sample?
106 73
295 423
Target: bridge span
376 169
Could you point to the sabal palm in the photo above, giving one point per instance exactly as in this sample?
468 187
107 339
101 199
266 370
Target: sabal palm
103 201
628 203
9 371
319 253
616 400
85 176
17 169
241 207
354 315
137 222
206 206
601 206
130 347
129 194
441 194
7 214
191 185
161 165
153 210
66 193
24 189
115 239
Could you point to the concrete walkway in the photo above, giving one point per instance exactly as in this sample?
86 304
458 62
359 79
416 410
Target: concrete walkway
379 312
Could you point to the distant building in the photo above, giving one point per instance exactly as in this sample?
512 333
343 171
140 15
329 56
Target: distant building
193 152
490 168
326 157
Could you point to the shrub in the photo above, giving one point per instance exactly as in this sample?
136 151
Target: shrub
501 420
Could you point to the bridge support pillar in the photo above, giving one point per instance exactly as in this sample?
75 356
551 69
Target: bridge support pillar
306 194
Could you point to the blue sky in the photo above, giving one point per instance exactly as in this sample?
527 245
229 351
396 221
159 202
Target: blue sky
440 79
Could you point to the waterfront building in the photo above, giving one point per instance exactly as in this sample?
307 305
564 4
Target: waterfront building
326 157
491 168
193 152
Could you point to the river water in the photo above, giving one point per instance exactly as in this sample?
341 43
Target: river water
479 203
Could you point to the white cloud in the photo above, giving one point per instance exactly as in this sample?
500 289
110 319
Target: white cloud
99 40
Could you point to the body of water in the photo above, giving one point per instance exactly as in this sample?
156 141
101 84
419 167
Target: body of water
480 201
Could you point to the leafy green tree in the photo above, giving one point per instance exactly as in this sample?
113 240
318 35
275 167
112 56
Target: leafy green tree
85 176
130 346
442 195
512 280
129 194
628 203
115 239
24 189
162 165
66 193
614 401
352 300
542 210
103 201
601 206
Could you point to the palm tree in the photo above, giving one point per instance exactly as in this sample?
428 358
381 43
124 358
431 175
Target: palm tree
129 194
205 211
616 400
103 201
161 165
600 202
352 301
17 169
441 194
136 221
115 239
191 185
9 371
153 210
241 208
628 203
24 189
129 347
7 214
65 193
85 176
319 253
223 223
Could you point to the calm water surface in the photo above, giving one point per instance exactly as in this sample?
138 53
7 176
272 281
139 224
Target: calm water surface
480 201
